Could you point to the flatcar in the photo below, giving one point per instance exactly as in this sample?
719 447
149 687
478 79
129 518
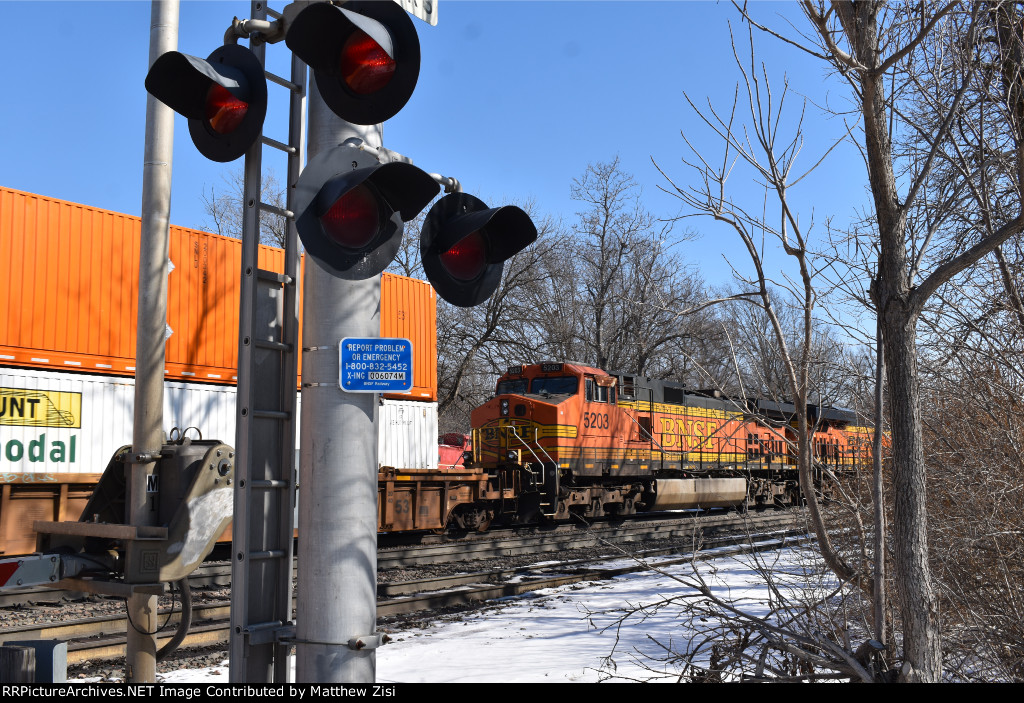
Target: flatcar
560 440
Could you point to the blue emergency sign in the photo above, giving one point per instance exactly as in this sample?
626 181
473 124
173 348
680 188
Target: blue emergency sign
375 365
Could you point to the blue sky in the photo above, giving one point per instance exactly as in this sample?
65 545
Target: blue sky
514 99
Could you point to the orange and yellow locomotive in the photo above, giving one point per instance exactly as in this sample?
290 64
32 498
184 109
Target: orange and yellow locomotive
559 439
566 437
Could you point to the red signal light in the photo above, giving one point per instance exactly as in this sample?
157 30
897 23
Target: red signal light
364 54
351 209
465 269
224 112
224 97
365 67
467 259
354 219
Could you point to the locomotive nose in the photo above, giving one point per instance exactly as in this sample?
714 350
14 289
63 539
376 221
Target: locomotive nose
513 406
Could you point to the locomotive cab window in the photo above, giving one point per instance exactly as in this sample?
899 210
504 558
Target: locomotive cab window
626 387
598 392
555 385
516 386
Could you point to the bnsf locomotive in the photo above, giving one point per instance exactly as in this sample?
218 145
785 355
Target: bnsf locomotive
565 438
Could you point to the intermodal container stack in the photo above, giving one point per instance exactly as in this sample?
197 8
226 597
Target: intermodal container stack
68 305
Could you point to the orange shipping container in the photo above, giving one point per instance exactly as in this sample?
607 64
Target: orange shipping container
69 296
406 306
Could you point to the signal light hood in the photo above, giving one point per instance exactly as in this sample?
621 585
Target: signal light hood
399 190
505 231
183 83
318 34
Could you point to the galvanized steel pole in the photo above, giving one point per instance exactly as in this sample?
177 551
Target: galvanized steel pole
147 430
337 579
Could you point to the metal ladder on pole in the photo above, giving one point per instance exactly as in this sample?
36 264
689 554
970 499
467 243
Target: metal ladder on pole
266 415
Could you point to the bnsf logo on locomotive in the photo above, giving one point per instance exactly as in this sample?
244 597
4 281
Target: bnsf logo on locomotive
689 433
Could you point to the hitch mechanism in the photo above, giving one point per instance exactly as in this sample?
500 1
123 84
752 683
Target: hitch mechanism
191 493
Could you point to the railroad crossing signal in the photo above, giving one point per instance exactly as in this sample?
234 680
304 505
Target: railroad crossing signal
351 209
365 57
224 97
464 246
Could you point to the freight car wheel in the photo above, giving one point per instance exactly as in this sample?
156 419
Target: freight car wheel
473 518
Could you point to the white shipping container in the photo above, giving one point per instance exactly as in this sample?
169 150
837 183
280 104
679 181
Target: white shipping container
53 423
407 434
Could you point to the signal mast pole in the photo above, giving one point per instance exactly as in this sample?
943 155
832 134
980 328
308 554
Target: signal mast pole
349 211
336 605
147 429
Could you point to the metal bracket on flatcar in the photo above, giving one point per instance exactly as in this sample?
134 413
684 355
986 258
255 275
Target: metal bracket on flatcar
140 457
192 493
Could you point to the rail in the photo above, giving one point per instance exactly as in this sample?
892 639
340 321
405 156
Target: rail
100 636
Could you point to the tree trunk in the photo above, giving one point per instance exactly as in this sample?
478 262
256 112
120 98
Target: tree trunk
918 602
878 491
918 605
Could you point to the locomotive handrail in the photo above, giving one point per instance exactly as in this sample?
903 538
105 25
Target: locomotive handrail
536 440
516 435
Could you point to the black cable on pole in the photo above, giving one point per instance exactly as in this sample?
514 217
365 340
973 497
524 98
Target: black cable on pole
128 615
183 624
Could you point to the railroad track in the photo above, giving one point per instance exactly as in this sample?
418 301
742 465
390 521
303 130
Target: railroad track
102 637
560 537
432 549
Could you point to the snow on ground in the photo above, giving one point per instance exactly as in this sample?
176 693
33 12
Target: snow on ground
556 635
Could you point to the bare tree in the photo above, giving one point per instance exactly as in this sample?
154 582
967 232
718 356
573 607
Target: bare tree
761 361
616 282
759 145
937 89
603 293
972 363
408 260
224 209
972 417
875 46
